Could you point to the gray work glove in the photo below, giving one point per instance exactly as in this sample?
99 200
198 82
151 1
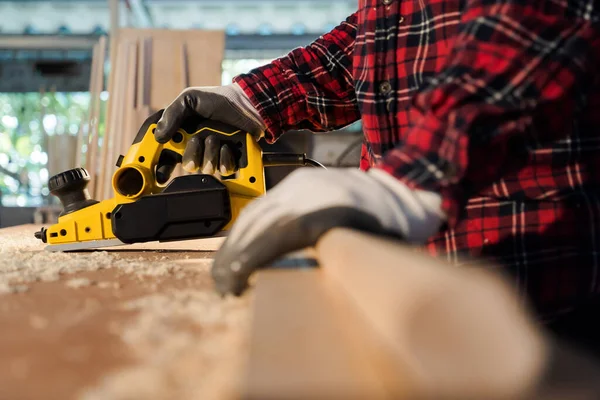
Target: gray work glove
310 202
228 104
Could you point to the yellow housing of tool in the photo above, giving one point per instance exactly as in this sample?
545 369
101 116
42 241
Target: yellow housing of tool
136 177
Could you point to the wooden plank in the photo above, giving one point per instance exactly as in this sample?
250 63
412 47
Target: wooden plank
304 344
205 52
208 244
86 121
115 39
143 81
185 82
140 99
166 72
199 64
111 137
145 110
61 153
128 107
379 320
93 141
436 317
97 69
185 67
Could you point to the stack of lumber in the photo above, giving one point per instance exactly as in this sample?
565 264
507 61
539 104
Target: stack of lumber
62 152
149 68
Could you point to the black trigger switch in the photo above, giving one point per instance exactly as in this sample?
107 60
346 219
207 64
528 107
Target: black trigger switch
120 161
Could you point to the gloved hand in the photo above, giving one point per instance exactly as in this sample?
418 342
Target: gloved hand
306 204
228 104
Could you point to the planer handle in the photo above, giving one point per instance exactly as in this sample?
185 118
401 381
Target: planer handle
147 165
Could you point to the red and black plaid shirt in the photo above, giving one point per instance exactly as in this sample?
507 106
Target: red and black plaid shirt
495 104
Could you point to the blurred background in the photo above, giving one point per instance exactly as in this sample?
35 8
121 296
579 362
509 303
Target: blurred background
46 52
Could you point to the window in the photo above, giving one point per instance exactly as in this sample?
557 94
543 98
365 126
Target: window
37 134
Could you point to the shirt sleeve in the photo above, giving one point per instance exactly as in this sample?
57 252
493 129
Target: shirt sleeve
513 63
309 88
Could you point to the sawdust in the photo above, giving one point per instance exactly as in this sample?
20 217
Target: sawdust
23 260
78 283
188 345
142 268
109 285
6 288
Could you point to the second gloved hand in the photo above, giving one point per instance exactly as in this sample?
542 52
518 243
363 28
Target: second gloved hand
306 204
227 104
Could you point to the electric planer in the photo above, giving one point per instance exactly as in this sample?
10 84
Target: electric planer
147 206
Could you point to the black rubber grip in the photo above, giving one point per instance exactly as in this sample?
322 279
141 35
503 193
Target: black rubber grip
283 159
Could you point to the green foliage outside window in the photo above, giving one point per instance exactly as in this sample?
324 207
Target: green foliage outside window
27 122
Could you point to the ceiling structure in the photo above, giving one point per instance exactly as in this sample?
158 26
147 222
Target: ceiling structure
38 36
262 17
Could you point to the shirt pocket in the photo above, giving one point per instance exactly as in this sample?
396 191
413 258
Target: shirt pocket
426 35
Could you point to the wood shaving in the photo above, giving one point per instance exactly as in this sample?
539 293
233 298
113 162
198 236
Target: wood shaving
109 285
23 259
78 283
188 345
6 288
143 268
20 288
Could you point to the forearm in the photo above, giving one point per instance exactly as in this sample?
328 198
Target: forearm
310 88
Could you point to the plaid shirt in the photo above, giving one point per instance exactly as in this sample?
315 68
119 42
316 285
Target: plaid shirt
494 104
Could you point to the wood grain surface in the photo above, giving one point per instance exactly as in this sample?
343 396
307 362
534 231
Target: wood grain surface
378 320
308 342
375 321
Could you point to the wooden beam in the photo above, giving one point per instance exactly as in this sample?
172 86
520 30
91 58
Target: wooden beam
305 343
86 120
379 320
111 135
129 130
94 132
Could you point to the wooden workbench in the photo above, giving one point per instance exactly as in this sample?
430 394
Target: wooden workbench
132 323
144 322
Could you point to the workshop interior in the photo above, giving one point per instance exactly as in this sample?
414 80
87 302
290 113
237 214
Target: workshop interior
107 241
51 61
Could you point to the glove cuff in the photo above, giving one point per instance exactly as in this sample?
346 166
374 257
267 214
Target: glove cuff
236 95
420 210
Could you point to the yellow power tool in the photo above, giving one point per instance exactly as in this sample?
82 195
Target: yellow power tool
147 206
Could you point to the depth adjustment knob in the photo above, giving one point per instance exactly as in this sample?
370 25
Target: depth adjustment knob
71 189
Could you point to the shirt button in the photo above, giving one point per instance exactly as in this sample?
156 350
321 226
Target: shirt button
386 2
401 19
385 87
